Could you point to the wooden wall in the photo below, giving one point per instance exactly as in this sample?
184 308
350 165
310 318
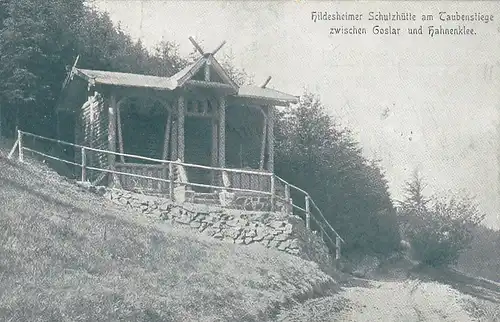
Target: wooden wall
91 129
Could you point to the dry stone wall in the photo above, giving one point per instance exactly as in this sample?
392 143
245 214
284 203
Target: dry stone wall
277 230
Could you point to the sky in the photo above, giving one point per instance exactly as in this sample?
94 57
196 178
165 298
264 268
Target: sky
412 101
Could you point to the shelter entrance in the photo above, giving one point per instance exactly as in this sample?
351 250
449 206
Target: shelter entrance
142 135
198 142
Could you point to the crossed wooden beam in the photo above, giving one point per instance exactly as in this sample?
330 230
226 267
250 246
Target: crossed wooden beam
202 52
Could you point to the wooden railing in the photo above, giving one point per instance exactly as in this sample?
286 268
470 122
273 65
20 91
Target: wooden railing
250 181
313 215
149 170
166 176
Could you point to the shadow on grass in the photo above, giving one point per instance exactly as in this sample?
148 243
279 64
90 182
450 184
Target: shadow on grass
42 196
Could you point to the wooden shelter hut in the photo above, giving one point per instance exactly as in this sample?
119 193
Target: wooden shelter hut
194 117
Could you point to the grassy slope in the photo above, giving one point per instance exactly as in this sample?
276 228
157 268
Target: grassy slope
69 255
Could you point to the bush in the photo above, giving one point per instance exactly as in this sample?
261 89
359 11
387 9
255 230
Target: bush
439 230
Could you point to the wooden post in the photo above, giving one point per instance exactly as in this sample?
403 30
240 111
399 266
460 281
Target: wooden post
171 178
207 70
240 154
84 165
167 136
273 192
112 137
195 44
20 145
337 247
266 82
90 138
120 134
222 132
287 199
58 124
14 148
180 128
308 214
215 147
77 133
166 141
219 47
175 137
270 138
264 139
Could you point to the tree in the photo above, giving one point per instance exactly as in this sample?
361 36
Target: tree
415 201
35 41
239 75
316 154
40 38
168 59
439 229
415 204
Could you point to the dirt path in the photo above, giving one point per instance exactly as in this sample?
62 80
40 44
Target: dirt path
402 301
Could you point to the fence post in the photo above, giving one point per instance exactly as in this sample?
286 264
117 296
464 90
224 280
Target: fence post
337 247
272 193
171 180
84 164
288 203
20 146
308 214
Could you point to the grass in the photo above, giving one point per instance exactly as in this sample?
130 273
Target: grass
69 255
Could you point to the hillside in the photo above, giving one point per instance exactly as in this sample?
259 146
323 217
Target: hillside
68 255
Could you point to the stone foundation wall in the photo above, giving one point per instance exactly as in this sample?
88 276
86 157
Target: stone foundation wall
277 230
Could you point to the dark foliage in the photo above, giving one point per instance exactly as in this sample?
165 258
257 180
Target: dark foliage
40 39
438 229
321 157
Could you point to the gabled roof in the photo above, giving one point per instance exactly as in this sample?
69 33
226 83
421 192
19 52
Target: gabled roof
194 72
193 75
171 83
221 72
187 72
155 82
265 94
126 79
